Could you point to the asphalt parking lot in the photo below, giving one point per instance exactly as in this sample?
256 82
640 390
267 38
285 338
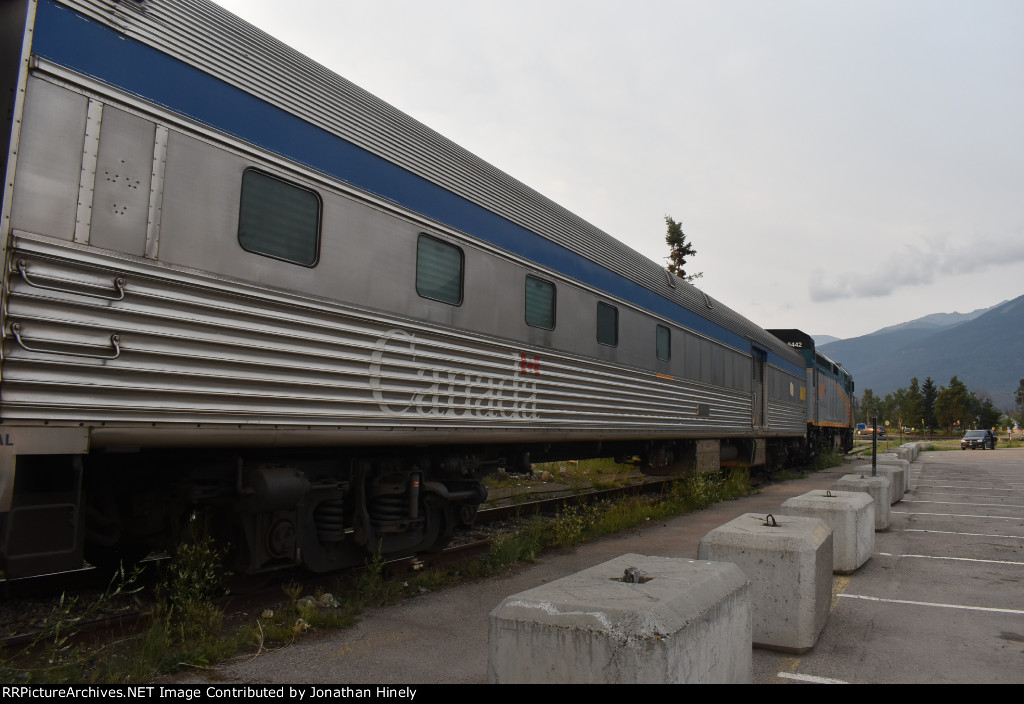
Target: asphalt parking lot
940 601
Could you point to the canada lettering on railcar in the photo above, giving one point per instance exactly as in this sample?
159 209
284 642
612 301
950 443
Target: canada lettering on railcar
449 392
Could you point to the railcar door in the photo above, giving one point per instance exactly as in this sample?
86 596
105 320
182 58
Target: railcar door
758 388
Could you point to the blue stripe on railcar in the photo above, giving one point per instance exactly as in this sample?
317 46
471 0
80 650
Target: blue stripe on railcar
88 47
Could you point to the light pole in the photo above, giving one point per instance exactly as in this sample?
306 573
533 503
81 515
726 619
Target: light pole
874 446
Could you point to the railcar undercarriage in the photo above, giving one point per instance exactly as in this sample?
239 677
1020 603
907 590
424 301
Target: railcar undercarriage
318 509
821 438
297 509
316 512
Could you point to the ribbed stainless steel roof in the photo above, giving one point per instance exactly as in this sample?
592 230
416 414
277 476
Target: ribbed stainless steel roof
209 38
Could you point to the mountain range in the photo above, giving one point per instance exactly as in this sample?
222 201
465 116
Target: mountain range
984 349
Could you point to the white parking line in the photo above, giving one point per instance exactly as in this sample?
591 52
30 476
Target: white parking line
988 478
810 678
1007 473
952 532
958 503
959 515
928 603
958 559
959 493
955 486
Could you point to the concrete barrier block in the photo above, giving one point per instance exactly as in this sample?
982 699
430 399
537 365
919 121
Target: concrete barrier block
897 475
914 450
877 487
790 570
894 460
901 452
688 622
850 515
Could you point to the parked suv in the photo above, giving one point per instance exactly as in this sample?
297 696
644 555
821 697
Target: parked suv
985 439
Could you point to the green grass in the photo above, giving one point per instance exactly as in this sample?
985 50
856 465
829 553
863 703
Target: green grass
938 444
826 459
57 654
575 524
576 475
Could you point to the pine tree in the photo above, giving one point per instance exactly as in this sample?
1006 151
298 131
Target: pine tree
929 391
679 250
1019 399
870 405
953 405
912 405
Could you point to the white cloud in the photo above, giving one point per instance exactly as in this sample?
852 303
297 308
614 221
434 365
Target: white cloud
922 265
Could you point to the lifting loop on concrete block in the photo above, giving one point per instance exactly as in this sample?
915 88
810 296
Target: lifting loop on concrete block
828 494
773 524
635 575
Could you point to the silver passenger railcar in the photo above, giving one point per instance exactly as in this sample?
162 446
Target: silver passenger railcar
237 284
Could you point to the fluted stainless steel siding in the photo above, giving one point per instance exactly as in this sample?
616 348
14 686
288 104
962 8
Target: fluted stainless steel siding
193 349
207 37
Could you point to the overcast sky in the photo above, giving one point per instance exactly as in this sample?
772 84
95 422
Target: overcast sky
839 165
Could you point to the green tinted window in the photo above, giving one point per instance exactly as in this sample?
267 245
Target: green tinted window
663 343
607 324
278 219
439 270
540 303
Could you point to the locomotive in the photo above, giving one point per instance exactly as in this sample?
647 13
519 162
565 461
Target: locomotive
238 286
830 405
